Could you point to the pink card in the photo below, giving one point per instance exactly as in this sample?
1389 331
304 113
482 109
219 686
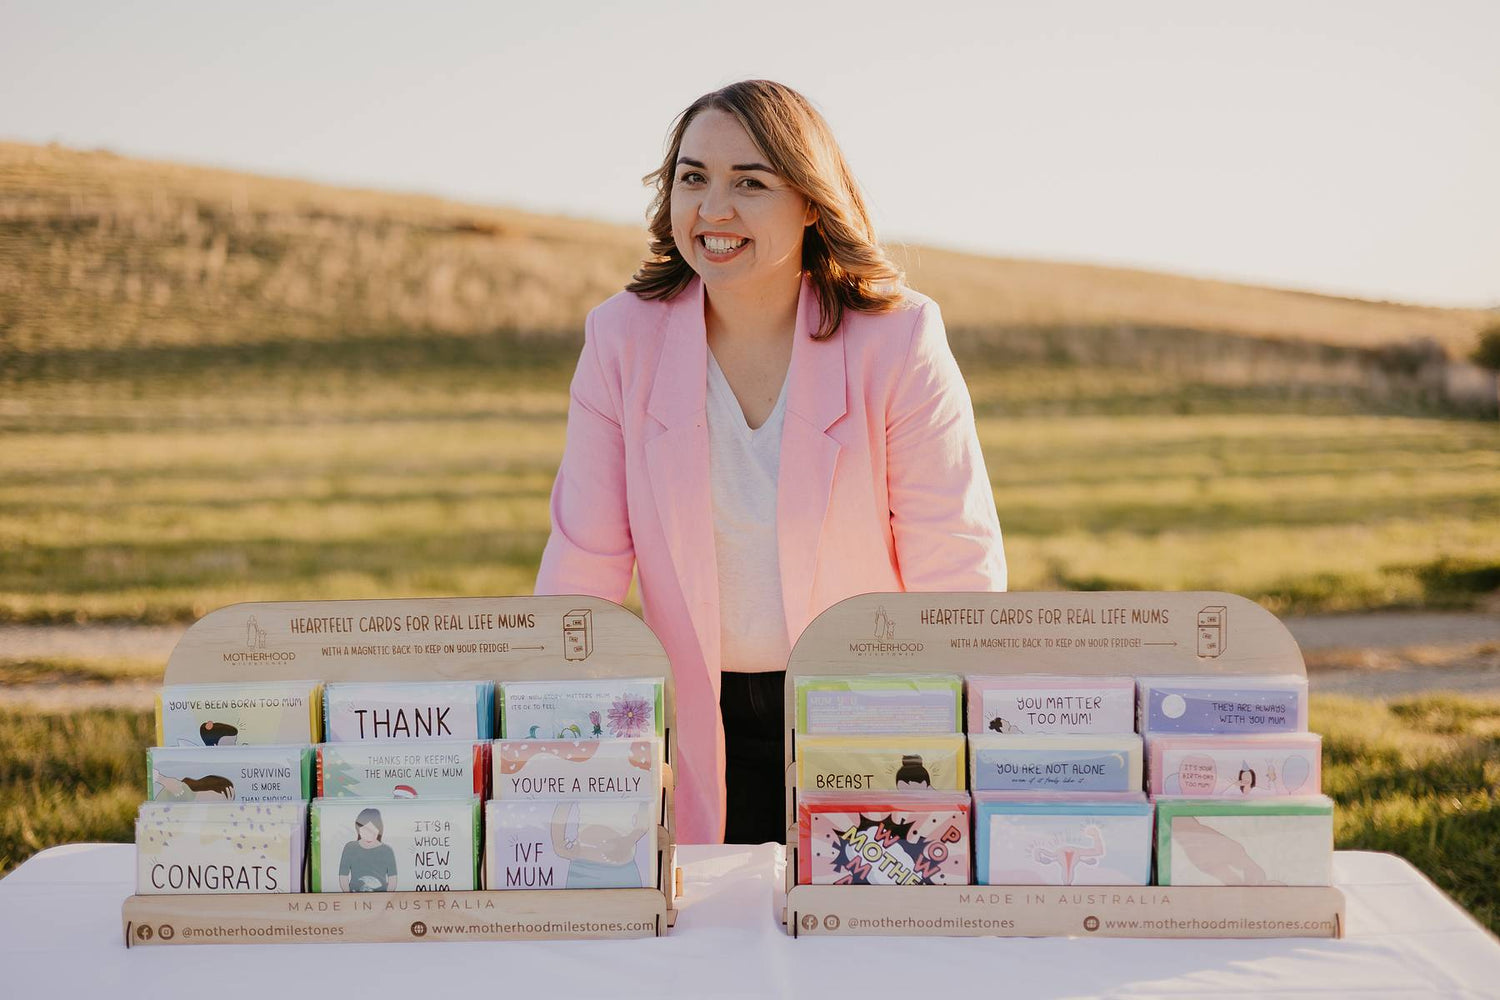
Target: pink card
911 838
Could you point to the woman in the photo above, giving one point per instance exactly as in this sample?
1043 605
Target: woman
763 423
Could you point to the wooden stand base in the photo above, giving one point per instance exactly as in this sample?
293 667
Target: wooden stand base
521 915
1061 911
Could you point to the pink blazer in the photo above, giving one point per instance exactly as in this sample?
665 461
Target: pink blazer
883 488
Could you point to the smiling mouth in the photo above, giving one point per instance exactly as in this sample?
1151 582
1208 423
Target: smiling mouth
722 246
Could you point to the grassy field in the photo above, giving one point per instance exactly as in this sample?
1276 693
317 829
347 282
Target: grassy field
1414 777
134 503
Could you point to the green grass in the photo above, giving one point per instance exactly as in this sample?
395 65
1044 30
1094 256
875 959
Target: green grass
1418 777
153 501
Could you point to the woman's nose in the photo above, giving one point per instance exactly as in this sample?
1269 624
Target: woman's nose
715 204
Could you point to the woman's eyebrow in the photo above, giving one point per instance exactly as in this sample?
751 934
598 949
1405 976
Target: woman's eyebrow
683 160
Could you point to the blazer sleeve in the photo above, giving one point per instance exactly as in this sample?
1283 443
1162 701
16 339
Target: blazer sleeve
589 550
942 507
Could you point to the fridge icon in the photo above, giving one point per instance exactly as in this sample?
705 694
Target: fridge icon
1213 630
578 634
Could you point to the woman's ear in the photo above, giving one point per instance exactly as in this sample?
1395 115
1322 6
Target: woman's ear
810 217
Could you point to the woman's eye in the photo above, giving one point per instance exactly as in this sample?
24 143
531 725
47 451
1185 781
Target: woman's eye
752 182
692 177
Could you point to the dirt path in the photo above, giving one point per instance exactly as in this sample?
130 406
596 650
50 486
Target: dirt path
1378 654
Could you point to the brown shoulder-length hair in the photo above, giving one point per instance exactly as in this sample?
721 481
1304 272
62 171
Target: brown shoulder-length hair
848 268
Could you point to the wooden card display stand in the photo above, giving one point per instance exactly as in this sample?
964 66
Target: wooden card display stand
1133 633
499 639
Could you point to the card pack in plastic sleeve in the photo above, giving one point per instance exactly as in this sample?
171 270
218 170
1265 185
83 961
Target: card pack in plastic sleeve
577 769
1104 762
1044 703
402 711
1059 838
229 774
881 763
1270 841
1235 766
419 769
895 838
250 713
568 844
597 708
1220 703
885 703
394 845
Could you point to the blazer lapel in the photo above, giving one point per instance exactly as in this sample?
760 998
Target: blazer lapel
815 401
678 462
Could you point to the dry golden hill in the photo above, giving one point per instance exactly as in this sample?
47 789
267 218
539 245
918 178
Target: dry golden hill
105 255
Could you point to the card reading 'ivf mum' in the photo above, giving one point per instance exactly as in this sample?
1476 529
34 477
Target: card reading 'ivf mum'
577 769
229 774
260 713
409 710
535 844
602 707
391 845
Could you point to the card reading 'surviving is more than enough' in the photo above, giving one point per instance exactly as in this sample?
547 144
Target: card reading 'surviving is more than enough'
888 703
254 713
229 774
596 708
400 711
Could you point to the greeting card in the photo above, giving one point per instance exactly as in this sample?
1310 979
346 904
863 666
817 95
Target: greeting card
1106 762
1235 766
885 703
1222 704
250 713
395 711
1271 841
1056 838
1046 703
880 763
193 848
896 838
577 769
229 774
563 844
598 708
421 769
391 845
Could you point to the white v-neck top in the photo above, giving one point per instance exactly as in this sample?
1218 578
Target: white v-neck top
743 469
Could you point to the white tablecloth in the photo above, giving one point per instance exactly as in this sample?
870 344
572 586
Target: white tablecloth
61 936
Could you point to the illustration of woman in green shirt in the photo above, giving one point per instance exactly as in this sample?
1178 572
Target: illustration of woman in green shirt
367 864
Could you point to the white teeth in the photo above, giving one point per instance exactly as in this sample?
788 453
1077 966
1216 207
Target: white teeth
720 244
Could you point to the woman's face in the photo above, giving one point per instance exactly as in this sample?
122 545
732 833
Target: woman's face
369 833
735 221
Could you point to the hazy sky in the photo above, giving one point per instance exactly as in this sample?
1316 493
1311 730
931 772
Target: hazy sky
1350 147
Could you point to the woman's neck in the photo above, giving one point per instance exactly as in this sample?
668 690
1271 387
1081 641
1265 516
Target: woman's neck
767 312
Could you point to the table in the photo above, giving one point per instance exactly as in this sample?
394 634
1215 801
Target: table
61 936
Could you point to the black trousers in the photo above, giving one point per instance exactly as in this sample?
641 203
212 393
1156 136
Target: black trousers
754 714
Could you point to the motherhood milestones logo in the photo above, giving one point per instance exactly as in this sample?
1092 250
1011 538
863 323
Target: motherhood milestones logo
884 641
257 648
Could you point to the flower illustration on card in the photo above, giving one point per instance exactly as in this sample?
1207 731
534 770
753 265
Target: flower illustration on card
630 716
